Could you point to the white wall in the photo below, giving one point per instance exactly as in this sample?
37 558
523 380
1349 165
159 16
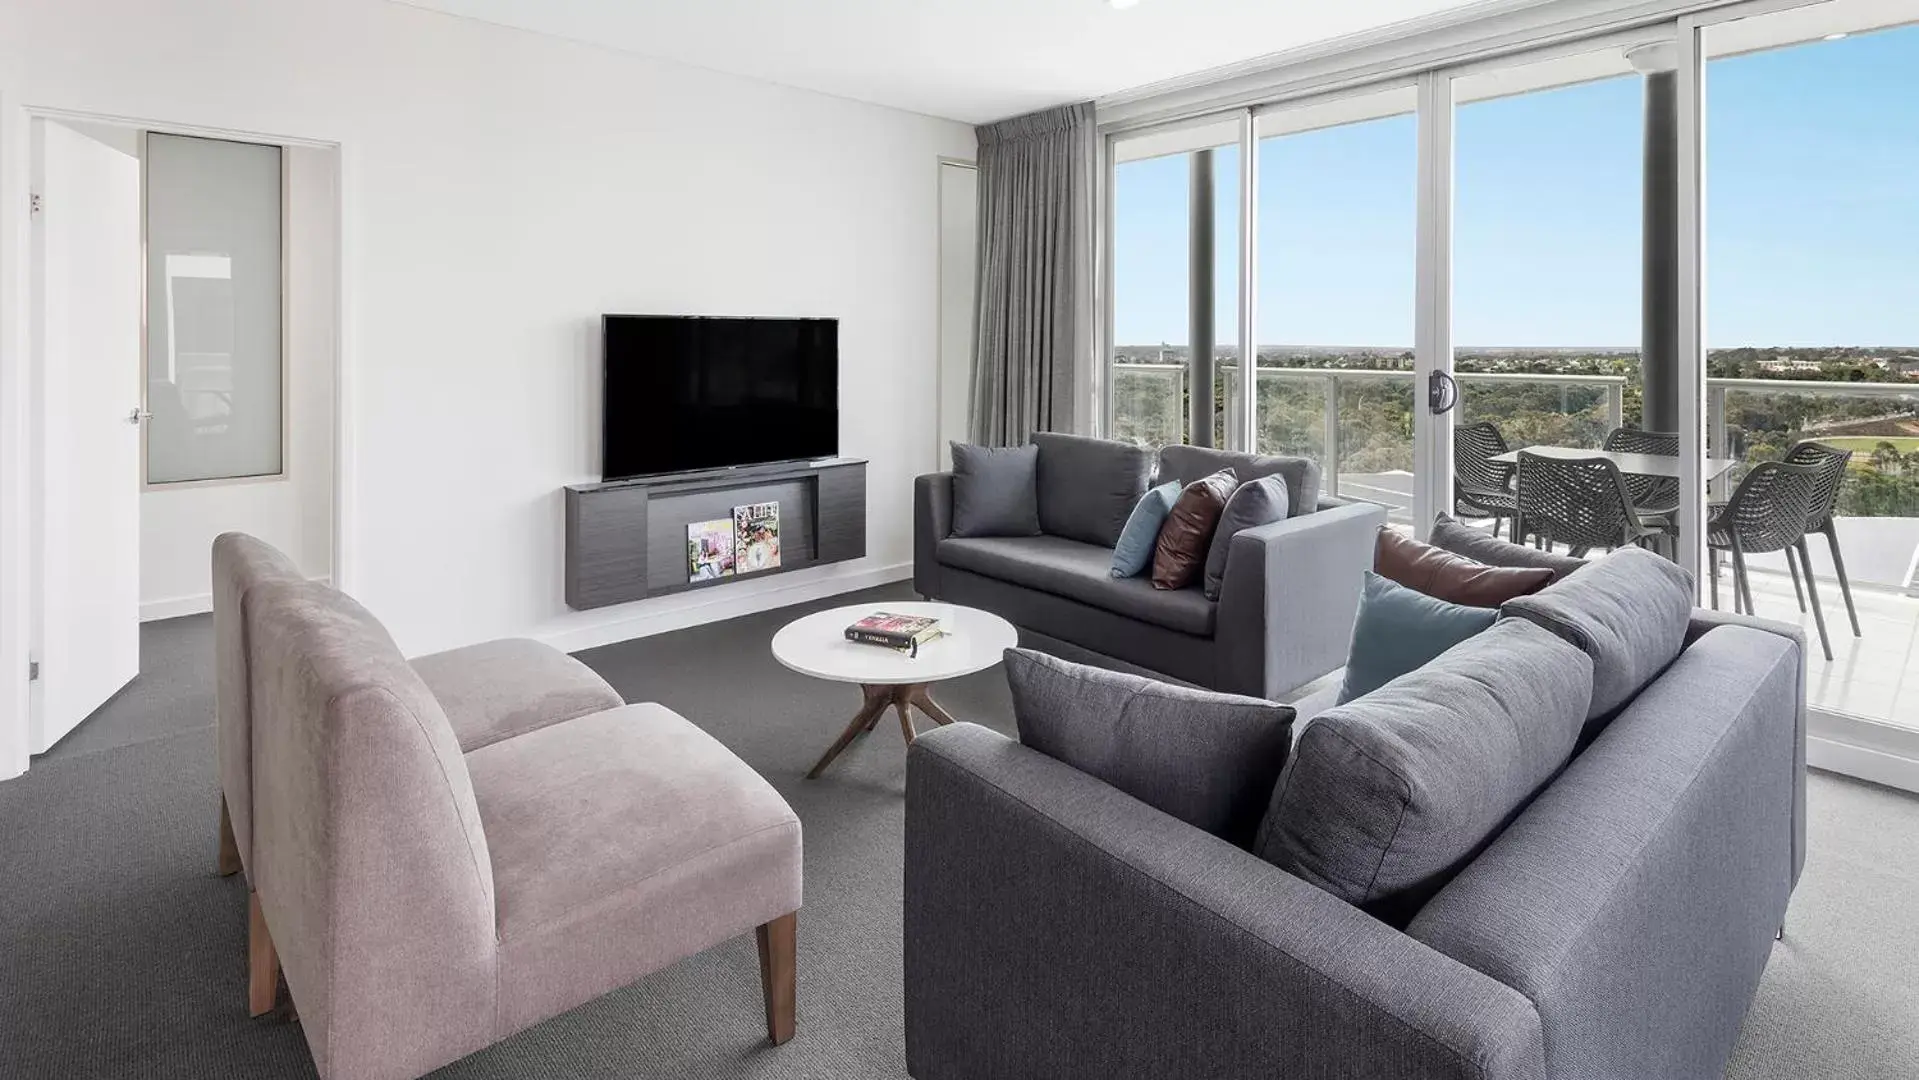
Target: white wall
294 512
500 191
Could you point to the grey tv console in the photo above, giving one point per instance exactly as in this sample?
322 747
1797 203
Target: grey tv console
626 539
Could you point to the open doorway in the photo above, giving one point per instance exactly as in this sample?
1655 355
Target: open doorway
183 363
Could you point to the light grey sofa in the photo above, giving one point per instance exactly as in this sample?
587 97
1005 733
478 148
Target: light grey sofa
1615 926
426 898
1285 609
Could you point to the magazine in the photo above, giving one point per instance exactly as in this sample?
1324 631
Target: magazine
903 633
709 549
756 537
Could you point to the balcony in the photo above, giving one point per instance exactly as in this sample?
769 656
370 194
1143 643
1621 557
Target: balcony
1358 424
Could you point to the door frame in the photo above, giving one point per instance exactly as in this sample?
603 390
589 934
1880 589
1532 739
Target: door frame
17 409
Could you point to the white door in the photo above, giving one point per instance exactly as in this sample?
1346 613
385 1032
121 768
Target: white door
86 277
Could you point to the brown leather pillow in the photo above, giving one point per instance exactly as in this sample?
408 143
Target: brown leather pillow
1453 578
1179 556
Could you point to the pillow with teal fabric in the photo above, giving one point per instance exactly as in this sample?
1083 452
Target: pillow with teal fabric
1399 630
1134 552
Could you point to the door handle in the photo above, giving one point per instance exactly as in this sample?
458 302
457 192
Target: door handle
138 415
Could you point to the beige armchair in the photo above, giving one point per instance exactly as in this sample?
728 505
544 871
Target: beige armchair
427 900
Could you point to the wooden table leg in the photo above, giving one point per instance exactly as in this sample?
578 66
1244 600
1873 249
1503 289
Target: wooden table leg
902 699
877 699
922 700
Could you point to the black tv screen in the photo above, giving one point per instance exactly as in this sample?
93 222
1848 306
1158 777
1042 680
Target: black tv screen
697 392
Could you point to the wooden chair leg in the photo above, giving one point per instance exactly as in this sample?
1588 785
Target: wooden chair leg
229 847
778 976
263 961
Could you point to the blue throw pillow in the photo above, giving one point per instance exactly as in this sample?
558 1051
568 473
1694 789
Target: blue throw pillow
1134 552
1399 630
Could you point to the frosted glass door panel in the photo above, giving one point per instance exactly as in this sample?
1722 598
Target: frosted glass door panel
214 363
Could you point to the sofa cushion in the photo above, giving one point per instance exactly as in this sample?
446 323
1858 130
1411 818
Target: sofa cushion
1088 487
1453 578
1188 463
623 841
1481 546
995 490
1134 552
498 689
1389 796
1400 629
1179 557
1253 503
1208 759
1062 567
1628 611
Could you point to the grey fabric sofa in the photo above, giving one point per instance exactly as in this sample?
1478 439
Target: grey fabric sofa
429 890
1286 606
1615 927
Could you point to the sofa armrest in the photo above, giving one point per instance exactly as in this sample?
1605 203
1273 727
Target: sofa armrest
1057 927
1704 620
932 522
1289 597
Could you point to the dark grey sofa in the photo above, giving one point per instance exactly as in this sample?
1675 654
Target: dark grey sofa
1285 609
1616 927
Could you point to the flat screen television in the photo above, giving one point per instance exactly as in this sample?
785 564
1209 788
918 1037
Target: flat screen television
688 392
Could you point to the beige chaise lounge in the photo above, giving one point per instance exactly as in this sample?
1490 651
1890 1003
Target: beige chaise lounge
427 898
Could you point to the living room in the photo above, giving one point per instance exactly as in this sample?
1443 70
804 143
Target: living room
991 267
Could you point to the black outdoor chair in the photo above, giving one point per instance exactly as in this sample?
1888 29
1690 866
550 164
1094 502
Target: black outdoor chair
1653 496
1831 463
1583 503
1767 512
1482 488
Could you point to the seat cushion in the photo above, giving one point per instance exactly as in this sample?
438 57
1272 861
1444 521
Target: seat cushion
1628 611
498 689
1189 463
1088 487
1208 759
622 842
1389 796
1082 572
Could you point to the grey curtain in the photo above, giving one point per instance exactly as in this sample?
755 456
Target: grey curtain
1033 330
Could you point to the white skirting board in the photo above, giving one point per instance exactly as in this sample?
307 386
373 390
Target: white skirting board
712 605
175 607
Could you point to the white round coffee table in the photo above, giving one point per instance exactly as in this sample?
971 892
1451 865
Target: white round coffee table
816 645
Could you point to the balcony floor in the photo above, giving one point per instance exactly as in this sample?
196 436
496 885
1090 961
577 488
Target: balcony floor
1872 676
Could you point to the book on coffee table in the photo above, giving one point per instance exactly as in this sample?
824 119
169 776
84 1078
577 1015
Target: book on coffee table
902 633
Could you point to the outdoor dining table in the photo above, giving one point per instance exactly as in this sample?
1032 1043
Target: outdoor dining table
1660 465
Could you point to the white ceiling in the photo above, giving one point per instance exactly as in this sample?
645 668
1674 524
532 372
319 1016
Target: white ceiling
969 60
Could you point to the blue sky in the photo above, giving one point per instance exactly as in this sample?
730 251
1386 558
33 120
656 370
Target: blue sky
1812 215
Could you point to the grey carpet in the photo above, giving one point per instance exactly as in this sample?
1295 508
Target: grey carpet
122 954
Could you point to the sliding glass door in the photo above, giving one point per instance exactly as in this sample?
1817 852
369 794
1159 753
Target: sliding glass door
1173 375
1336 250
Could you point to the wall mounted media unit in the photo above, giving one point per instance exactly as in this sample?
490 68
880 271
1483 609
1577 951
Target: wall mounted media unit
707 422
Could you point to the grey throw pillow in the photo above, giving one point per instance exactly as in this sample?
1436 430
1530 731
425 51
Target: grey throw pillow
1208 759
1188 463
1481 546
1253 503
1088 487
995 490
1628 611
1390 795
